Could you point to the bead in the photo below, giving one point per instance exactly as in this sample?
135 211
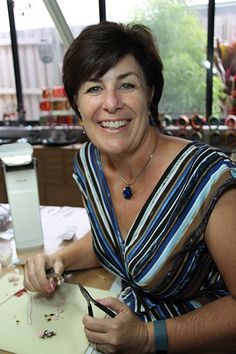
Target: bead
127 192
47 334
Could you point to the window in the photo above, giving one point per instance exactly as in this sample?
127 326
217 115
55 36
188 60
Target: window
40 50
225 55
181 38
180 28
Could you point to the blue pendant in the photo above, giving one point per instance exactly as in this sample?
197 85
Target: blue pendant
127 192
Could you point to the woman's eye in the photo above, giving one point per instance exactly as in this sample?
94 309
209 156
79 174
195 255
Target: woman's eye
94 90
127 86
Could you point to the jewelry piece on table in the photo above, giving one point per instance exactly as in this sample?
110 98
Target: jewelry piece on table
47 334
17 293
55 316
30 305
58 314
60 280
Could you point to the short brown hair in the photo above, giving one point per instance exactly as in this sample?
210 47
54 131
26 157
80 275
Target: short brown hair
99 47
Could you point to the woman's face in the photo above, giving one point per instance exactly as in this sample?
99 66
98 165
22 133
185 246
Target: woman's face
115 107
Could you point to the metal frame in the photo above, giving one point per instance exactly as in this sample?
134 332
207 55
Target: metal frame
210 56
102 10
59 21
14 46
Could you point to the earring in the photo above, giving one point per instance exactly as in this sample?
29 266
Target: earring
82 126
152 120
83 131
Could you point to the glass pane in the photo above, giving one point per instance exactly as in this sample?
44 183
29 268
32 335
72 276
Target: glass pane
79 14
225 56
181 36
7 80
40 49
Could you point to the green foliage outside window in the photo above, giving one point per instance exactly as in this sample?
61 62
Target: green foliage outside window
182 44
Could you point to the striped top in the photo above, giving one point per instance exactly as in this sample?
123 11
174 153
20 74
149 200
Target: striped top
165 266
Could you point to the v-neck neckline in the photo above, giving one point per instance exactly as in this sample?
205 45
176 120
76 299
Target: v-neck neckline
125 241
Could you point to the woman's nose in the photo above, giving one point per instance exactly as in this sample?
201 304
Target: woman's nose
111 101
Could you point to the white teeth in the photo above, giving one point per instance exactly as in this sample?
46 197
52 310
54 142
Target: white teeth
111 124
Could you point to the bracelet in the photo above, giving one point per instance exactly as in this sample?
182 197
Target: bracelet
160 335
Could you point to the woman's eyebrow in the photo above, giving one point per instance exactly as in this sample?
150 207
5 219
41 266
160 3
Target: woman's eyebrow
129 73
119 77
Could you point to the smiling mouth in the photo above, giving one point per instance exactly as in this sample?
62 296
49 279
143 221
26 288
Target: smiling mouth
114 124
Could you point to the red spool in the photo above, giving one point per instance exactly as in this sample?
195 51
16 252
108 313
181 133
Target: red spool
197 121
45 105
58 91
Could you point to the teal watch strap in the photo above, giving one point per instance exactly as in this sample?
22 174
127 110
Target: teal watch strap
161 339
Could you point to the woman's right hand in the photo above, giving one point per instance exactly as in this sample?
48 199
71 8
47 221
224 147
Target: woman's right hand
35 278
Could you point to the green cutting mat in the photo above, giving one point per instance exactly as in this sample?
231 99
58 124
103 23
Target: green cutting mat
17 335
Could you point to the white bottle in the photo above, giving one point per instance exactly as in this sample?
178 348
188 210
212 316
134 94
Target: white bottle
23 197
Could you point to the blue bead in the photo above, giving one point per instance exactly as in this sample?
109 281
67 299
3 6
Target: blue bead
127 192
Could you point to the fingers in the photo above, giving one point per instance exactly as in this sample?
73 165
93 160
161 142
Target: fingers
34 274
96 330
94 324
114 304
113 334
58 267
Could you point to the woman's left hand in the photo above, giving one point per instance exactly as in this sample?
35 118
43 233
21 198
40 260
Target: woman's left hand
125 333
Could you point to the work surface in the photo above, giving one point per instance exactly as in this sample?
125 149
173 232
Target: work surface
24 318
17 335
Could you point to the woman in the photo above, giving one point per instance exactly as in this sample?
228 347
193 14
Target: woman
162 209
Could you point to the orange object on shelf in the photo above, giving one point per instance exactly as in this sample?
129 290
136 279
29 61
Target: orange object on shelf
59 105
46 92
65 119
58 91
45 105
197 121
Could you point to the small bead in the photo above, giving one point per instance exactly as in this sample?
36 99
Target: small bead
127 192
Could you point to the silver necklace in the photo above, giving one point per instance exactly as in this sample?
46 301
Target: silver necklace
128 189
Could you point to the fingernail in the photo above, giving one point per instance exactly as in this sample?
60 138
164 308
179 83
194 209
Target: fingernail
52 284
